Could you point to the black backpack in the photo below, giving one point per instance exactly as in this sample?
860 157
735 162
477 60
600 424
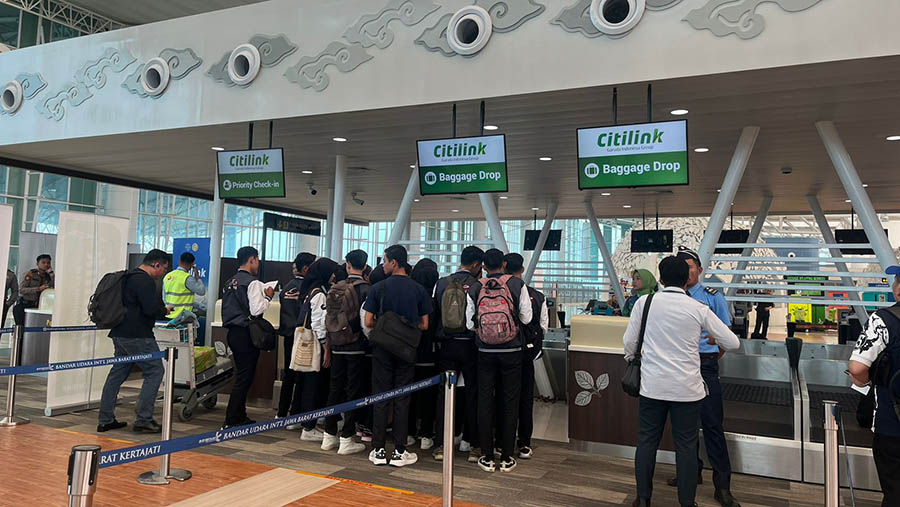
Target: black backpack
106 308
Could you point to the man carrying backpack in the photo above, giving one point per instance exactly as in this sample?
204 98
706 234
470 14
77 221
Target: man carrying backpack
497 307
133 334
346 336
457 346
396 308
533 337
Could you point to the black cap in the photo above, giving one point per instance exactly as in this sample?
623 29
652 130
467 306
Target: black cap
686 253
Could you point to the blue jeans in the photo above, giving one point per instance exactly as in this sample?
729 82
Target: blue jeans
152 371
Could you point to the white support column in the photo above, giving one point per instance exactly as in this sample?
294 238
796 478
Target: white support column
215 260
604 252
846 171
405 210
329 223
480 232
493 222
754 238
729 189
828 237
340 189
545 231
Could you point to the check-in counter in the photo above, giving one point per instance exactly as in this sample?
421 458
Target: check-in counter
261 392
602 418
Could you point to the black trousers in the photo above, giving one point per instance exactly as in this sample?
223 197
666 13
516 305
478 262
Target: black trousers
762 324
886 451
289 399
685 418
526 402
388 372
246 356
367 417
19 311
346 381
499 381
423 404
712 420
459 356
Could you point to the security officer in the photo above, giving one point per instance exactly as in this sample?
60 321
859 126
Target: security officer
36 281
712 414
181 285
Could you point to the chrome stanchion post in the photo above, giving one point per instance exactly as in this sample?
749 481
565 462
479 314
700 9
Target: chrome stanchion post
831 454
15 342
83 464
164 473
449 404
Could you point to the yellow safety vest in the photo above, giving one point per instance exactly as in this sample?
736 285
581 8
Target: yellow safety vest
177 294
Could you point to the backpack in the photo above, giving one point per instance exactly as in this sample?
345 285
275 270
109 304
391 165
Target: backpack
533 333
453 308
495 323
106 308
341 312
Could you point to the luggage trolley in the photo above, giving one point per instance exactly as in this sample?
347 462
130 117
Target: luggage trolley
194 387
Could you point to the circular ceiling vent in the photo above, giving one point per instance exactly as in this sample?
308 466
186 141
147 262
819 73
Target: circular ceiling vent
243 64
11 97
155 76
469 30
616 17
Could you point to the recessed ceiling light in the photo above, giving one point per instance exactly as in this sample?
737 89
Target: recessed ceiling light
454 211
416 200
339 139
865 185
306 172
545 159
893 138
412 166
504 197
701 150
491 127
605 194
679 112
719 190
535 209
217 148
847 200
626 206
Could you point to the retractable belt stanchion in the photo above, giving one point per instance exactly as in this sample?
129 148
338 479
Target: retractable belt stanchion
831 454
83 463
164 473
449 405
11 419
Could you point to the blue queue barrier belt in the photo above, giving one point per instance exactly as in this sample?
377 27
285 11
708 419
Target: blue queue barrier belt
83 363
156 449
57 329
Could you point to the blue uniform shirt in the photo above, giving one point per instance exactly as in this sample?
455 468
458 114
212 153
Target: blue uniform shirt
715 300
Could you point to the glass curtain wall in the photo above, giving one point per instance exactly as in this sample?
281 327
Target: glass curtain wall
20 29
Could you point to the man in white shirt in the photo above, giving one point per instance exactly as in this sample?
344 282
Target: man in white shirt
671 383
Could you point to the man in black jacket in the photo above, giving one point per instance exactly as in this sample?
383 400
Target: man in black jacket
458 353
243 296
143 307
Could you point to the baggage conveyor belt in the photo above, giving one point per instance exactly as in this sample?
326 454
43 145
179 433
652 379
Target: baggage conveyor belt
848 400
758 407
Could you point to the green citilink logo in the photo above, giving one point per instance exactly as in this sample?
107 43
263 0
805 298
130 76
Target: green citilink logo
459 150
248 160
629 138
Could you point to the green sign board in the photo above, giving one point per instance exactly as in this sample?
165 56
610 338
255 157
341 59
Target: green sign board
462 165
251 173
640 155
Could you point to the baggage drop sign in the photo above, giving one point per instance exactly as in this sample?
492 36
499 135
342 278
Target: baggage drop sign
462 165
251 173
640 155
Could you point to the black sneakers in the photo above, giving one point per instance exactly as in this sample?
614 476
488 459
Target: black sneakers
115 425
245 422
146 427
487 464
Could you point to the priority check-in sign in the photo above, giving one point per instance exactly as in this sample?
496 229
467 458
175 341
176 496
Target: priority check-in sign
646 154
251 173
462 165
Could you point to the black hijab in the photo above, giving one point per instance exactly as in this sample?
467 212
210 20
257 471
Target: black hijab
319 276
425 274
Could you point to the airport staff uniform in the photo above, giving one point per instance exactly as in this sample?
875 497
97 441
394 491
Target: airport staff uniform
712 416
30 293
179 288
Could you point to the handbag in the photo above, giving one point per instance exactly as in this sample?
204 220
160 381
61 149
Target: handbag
306 355
631 381
262 333
395 334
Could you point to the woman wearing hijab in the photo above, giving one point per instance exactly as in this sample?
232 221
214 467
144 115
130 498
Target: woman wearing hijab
644 283
312 314
423 402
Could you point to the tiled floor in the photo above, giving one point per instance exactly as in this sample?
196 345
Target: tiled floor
556 476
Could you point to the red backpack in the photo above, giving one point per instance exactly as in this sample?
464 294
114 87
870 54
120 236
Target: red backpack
495 322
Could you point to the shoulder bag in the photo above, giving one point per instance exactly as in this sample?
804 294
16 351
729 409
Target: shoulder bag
306 355
395 334
631 381
262 332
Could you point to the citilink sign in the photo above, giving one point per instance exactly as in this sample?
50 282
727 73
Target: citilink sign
251 173
462 165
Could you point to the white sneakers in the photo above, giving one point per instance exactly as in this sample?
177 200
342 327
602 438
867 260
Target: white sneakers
330 442
410 440
399 460
426 444
378 457
348 446
464 446
313 435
